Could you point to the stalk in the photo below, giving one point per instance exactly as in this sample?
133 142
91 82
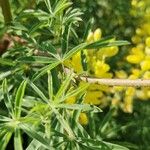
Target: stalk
5 5
113 82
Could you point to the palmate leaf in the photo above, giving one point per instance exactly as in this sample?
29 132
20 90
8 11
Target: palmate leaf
101 43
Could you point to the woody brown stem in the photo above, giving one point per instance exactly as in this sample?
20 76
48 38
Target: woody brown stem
113 82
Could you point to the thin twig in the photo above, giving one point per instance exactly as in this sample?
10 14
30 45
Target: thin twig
113 82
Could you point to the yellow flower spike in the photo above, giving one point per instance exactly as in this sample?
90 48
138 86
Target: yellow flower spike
97 34
90 37
141 95
130 91
134 59
136 72
128 106
106 75
137 51
146 28
121 74
146 75
76 62
107 51
101 68
132 77
147 41
112 51
118 89
83 119
101 52
145 65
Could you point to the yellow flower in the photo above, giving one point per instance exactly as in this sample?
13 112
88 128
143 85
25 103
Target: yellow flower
93 97
107 51
90 37
97 34
130 91
134 59
121 74
101 68
117 89
128 104
83 119
141 95
146 75
136 72
137 50
76 62
145 65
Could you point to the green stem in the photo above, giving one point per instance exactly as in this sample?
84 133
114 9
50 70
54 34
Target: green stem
6 11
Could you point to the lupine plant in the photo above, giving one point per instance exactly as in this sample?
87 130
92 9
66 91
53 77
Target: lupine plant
54 80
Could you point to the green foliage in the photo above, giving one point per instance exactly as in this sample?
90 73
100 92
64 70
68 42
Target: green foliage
34 86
